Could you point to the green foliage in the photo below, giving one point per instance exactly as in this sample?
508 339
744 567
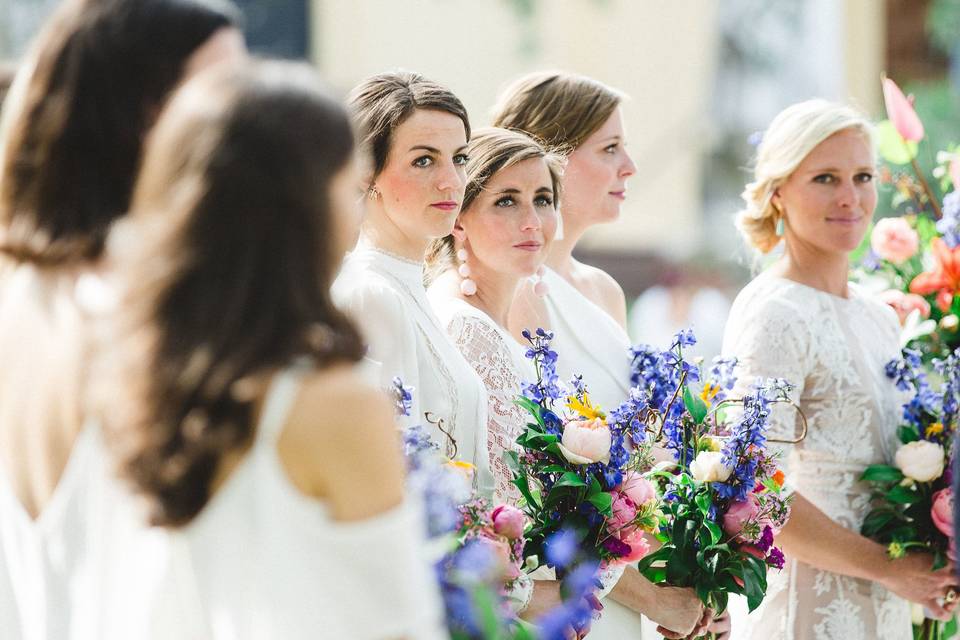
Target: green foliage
893 148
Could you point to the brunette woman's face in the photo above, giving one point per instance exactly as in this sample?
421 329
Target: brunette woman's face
422 182
595 179
511 223
829 200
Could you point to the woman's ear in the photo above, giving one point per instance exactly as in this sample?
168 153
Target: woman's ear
459 233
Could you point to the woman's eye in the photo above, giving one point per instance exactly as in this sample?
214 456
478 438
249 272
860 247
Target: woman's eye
423 161
460 159
543 201
864 177
611 148
505 201
824 178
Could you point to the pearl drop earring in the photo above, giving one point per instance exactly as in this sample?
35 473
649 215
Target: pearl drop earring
467 286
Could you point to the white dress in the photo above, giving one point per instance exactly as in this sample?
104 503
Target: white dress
263 560
834 350
384 295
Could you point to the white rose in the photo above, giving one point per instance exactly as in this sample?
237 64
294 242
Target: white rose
709 467
921 460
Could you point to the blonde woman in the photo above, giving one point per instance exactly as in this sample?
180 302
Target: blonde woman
584 306
814 191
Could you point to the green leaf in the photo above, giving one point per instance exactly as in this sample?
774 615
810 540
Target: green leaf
524 486
570 479
907 434
876 520
892 147
703 502
715 533
603 502
882 473
485 605
696 406
902 495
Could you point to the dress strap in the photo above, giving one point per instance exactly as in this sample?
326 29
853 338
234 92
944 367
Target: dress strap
281 395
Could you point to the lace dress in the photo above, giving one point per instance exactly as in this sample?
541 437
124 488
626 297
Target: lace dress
834 350
384 295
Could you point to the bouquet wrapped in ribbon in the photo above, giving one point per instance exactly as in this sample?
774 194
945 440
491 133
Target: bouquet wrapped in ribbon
723 502
913 498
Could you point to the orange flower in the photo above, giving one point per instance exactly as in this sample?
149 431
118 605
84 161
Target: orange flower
778 477
944 279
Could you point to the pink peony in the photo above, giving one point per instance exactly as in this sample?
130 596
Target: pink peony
905 303
638 488
739 514
624 512
639 547
942 511
508 521
901 112
895 240
586 441
500 550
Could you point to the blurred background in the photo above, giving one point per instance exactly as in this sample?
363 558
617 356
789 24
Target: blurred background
702 76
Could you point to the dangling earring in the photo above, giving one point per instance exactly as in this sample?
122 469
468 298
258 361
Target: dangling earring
467 286
780 227
372 193
540 288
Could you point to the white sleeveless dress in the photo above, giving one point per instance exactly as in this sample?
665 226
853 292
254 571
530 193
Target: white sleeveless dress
589 342
834 350
384 295
263 560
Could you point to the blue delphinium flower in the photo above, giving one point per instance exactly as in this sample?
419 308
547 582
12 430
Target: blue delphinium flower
871 261
403 396
416 441
949 224
722 375
547 388
561 548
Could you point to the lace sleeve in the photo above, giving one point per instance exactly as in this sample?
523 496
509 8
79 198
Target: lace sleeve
770 340
483 346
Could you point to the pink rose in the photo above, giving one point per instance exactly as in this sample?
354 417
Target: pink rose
905 303
508 521
942 511
624 512
895 240
739 514
586 441
639 546
638 488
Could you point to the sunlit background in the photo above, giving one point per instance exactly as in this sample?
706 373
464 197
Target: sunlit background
701 76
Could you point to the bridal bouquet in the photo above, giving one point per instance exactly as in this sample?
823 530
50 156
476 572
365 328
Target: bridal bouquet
577 470
723 501
915 258
913 499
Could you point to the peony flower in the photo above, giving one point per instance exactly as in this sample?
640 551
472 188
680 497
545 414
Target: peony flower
739 514
905 303
624 512
638 488
895 240
508 521
901 112
639 546
921 461
708 467
586 441
942 512
500 550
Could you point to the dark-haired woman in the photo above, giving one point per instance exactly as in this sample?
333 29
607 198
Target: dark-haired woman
414 135
232 392
73 125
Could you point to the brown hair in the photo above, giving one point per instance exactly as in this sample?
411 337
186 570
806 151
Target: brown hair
98 74
226 263
562 109
490 151
381 103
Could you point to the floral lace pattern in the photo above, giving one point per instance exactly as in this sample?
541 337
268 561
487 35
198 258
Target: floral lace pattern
833 349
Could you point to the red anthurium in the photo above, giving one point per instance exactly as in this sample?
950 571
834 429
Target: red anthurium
901 112
944 279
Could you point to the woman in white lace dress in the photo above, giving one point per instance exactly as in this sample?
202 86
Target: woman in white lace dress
584 307
801 320
414 135
231 391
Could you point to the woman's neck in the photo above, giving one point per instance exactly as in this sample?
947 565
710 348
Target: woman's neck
561 258
821 270
494 296
383 234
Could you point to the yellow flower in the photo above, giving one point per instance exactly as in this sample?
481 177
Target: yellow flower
586 409
464 468
935 428
709 393
895 550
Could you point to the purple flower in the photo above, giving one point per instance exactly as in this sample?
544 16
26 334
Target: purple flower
561 548
949 224
403 396
775 559
765 541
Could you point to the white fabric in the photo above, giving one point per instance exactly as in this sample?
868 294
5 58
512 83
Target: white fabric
834 350
588 341
385 296
263 560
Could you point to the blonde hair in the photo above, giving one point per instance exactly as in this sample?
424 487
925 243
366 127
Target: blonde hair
789 139
562 109
490 151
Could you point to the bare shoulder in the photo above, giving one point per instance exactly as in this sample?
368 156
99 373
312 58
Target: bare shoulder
603 290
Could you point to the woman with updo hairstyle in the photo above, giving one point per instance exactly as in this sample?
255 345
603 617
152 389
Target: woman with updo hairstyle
413 137
814 191
582 305
73 124
230 390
